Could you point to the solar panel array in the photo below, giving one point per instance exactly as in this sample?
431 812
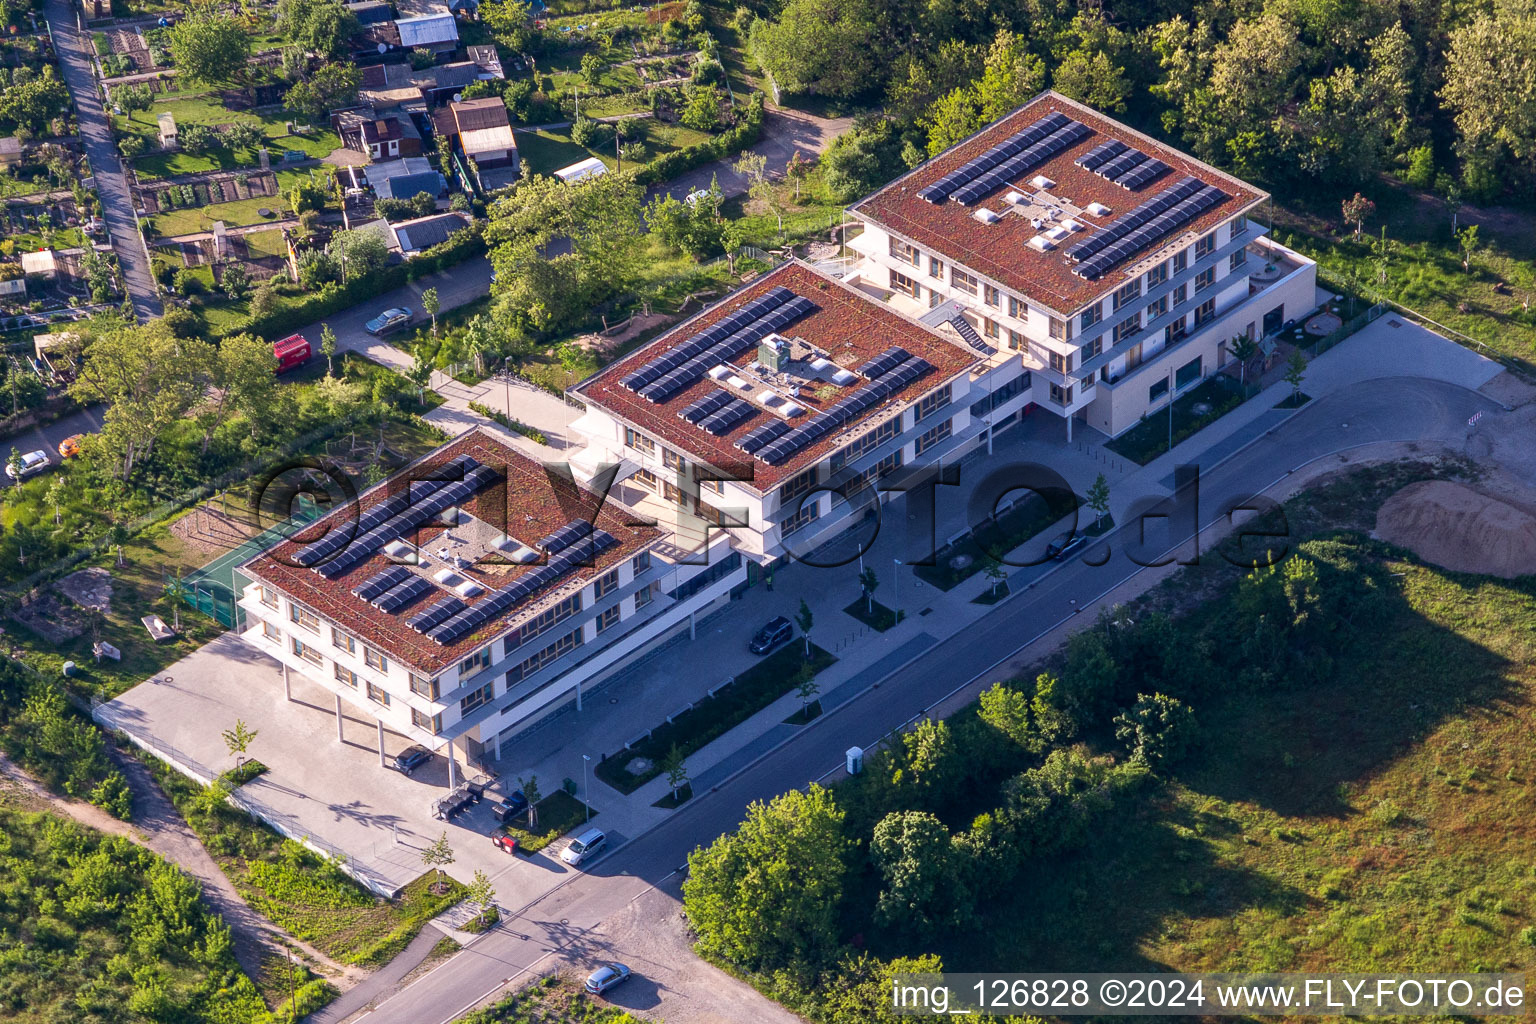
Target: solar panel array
439 611
1101 154
721 342
1007 149
423 500
376 584
884 363
897 369
409 592
755 438
499 602
1015 167
728 417
712 402
567 535
1119 163
1135 231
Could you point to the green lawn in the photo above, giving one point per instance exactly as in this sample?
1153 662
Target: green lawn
995 538
547 151
239 213
206 109
62 238
1148 439
556 815
266 243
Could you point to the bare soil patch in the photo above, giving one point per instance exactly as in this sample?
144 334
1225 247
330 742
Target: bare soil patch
1457 527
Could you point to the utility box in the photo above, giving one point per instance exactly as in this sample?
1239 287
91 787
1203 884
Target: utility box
855 760
773 352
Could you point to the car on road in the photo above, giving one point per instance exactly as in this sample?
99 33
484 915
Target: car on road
606 977
31 464
1065 546
390 320
776 632
585 847
411 758
70 446
504 842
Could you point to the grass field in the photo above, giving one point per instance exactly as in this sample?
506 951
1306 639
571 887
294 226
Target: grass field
208 110
547 151
193 219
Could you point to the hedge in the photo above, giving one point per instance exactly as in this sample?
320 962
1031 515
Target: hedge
334 298
729 142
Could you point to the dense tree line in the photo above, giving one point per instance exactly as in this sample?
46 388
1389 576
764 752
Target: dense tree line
948 820
1280 90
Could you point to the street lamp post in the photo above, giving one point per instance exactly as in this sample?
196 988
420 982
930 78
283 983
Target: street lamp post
1170 407
584 799
896 587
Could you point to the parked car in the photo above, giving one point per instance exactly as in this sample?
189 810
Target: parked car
70 446
776 632
390 320
1065 546
585 847
504 842
32 463
291 352
411 758
606 977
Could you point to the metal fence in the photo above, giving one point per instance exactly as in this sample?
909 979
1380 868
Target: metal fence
1349 327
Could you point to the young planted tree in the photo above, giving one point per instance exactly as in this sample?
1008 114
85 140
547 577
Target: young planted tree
796 170
530 788
807 687
430 303
1295 373
328 348
806 620
1466 241
1098 499
133 98
1244 349
1356 211
997 574
176 591
438 854
676 769
481 896
239 740
869 581
420 374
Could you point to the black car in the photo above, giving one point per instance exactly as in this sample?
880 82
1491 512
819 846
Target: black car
1065 546
411 758
514 804
777 631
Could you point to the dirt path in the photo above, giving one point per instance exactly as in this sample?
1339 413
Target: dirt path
159 827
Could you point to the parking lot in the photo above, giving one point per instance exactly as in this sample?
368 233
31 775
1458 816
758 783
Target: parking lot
333 792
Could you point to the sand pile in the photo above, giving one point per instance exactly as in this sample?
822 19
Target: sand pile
1458 528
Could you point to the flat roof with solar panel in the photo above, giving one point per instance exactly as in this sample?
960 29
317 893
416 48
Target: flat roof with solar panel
980 204
839 358
451 552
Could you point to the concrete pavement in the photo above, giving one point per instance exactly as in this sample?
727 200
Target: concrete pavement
74 50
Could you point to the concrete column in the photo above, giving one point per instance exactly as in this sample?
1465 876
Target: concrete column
1069 429
693 633
498 746
453 768
287 690
340 738
578 695
382 763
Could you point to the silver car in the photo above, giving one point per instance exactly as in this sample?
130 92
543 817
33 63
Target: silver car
606 977
390 320
31 464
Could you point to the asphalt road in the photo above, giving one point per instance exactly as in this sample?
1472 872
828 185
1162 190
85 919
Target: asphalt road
74 51
1385 410
47 437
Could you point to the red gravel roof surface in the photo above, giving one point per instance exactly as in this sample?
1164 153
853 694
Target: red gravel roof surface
528 507
850 327
1001 251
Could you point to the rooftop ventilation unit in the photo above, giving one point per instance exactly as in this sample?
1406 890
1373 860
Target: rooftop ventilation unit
399 549
447 577
773 352
719 371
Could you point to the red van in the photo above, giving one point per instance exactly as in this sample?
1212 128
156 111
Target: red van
291 352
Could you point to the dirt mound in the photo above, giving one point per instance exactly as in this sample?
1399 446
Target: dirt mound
1458 528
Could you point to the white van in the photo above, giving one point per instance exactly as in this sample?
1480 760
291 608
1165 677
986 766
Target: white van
584 847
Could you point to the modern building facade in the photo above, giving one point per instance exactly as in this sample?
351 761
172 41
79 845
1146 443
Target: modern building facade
1118 270
472 593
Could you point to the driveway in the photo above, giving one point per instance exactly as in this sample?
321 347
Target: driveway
96 134
48 436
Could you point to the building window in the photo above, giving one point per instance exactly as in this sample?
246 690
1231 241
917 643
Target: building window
1239 224
547 619
1157 390
904 252
935 268
378 695
1060 363
305 651
268 597
1061 395
989 295
808 514
1060 330
1000 395
1187 374
672 460
711 485
1157 275
424 687
429 723
1205 246
642 562
1205 311
1094 347
902 283
963 281
1236 260
346 676
374 660
478 699
1181 261
1127 293
671 492
644 596
1205 279
797 485
605 584
1015 340
342 641
271 632
1017 309
1126 328
933 437
1181 294
481 659
638 441
562 646
607 618
304 617
989 328
867 441
645 478
1090 316
930 404
1157 309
